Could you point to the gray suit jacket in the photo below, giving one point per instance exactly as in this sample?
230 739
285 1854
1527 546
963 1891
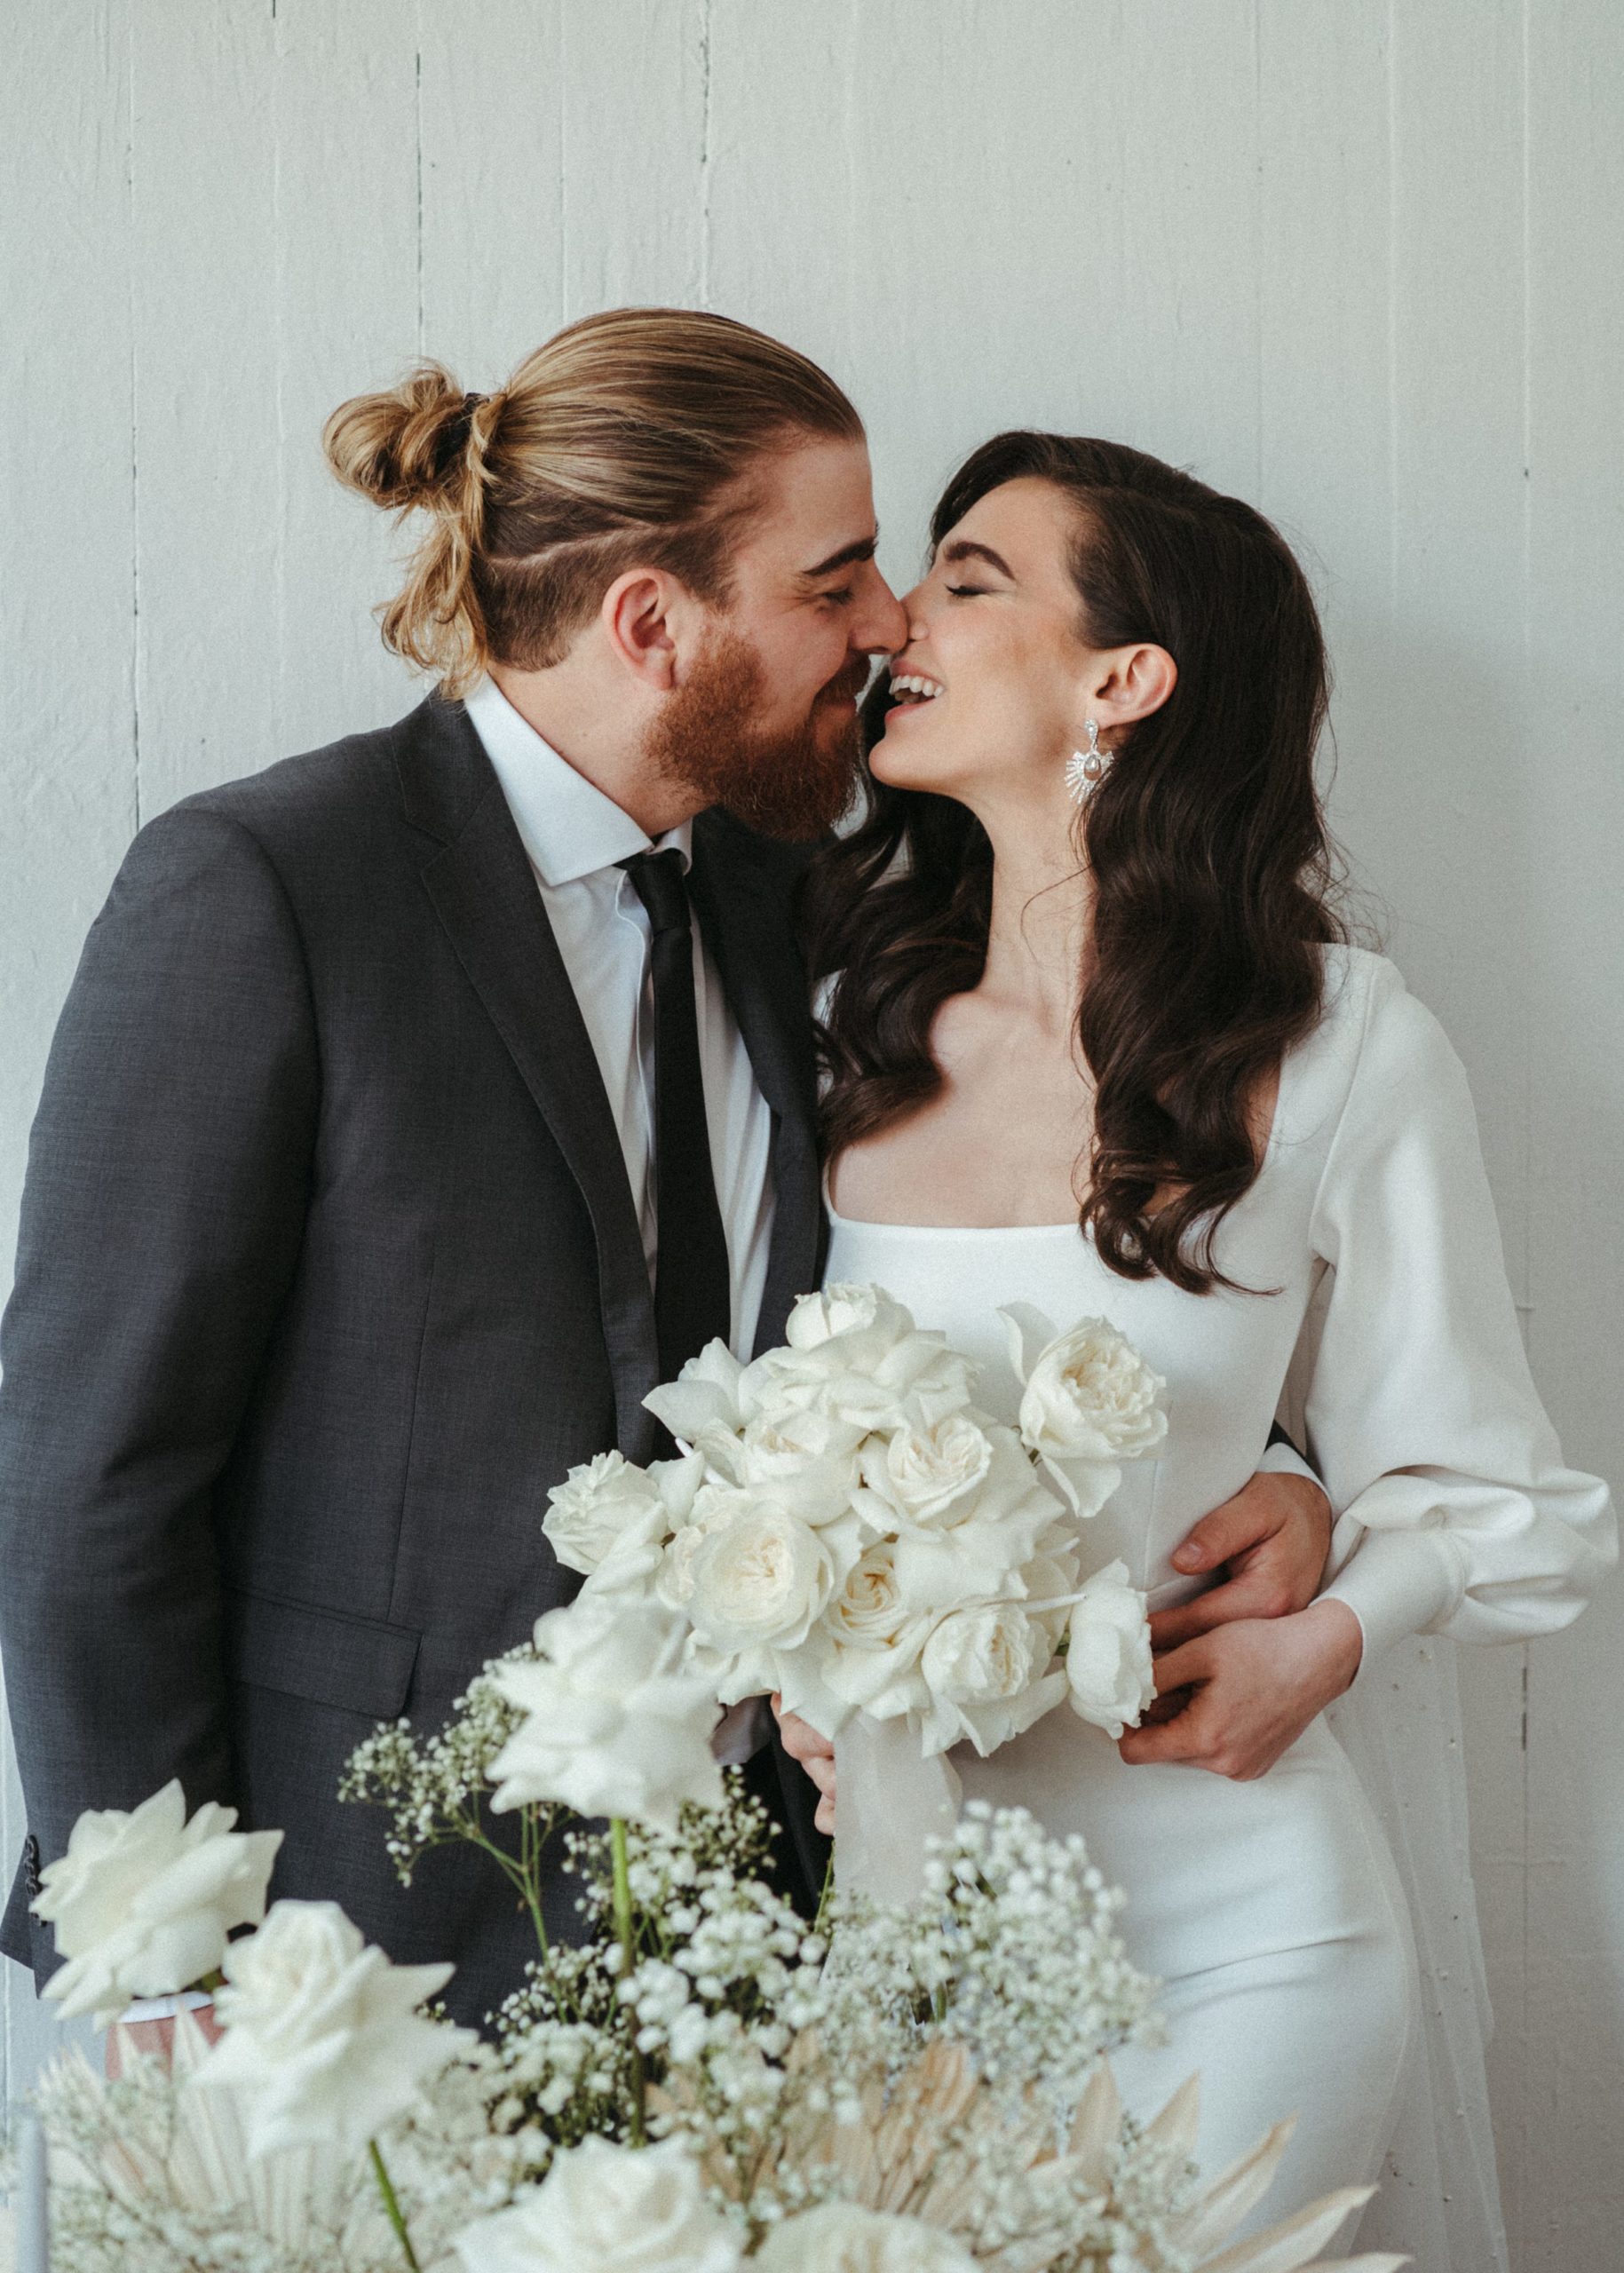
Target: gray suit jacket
329 1268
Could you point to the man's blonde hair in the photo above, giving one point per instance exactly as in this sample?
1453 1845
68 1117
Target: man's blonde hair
625 441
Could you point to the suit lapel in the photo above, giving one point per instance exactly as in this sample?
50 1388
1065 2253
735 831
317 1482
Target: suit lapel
747 928
480 880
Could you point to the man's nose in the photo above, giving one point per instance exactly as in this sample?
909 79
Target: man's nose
884 627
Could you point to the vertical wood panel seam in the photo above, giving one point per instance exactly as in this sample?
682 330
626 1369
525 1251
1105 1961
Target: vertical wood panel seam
704 158
417 133
135 452
1392 312
1525 1920
565 294
1257 251
278 305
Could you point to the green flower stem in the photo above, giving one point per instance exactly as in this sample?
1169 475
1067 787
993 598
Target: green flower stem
626 1933
827 1896
392 2208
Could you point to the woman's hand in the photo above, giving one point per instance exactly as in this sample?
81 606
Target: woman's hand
1250 1689
816 1755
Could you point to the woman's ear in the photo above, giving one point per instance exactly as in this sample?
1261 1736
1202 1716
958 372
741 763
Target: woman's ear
1130 683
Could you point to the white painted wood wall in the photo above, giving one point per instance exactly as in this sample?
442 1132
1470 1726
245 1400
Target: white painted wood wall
1357 259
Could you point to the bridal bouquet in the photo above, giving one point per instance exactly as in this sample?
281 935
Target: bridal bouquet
846 1527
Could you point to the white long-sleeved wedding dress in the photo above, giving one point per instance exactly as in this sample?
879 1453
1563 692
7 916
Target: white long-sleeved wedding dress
1273 1909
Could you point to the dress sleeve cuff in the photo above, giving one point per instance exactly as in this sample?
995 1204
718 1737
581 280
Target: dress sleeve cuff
1397 1583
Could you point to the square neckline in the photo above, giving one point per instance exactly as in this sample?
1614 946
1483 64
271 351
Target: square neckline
1016 1230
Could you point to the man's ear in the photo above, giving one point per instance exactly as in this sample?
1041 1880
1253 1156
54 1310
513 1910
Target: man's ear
637 619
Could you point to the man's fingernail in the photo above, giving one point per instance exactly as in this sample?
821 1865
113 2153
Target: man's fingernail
1190 1558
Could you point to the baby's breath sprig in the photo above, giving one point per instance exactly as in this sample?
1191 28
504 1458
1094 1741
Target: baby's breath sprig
436 1789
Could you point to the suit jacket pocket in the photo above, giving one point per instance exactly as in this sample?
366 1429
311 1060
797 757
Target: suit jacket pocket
353 1663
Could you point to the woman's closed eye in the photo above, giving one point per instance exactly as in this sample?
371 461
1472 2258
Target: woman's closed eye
967 591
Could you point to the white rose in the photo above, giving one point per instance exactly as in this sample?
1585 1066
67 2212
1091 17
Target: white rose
1108 1667
707 1399
759 1576
854 1351
1091 1400
983 1669
597 1506
990 1653
603 2208
322 2032
142 1904
843 2237
874 1640
807 1456
840 1309
610 1728
979 1539
923 1468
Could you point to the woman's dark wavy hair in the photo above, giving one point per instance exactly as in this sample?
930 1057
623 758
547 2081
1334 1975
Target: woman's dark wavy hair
1212 870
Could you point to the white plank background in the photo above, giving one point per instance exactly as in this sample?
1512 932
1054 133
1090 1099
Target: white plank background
1357 259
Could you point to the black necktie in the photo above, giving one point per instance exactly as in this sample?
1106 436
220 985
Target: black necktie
693 1288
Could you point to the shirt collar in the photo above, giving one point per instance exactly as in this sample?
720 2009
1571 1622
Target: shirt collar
568 827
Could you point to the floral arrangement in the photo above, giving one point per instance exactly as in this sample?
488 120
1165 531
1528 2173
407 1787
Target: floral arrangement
848 1529
700 2082
702 2085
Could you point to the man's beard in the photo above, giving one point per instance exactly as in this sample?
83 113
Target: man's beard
792 784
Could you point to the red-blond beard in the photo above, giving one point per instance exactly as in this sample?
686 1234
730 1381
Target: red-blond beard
794 784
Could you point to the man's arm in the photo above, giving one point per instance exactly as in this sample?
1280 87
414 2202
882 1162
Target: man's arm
168 1179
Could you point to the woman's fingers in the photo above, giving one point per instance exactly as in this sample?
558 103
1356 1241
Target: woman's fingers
802 1741
816 1755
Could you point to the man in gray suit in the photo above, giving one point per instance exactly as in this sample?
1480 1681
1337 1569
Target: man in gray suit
421 1101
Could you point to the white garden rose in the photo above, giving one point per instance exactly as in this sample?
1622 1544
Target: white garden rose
322 2036
923 1468
597 1507
142 1904
844 2238
983 1669
603 2208
989 1653
610 1727
840 1309
1089 1401
874 1640
803 1453
759 1575
968 1553
1108 1668
707 1399
854 1351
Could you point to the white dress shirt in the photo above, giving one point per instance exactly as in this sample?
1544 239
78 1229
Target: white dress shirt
575 838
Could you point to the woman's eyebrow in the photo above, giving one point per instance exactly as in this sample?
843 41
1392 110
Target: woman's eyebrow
964 547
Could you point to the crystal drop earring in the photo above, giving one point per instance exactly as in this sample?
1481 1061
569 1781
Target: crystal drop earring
1085 769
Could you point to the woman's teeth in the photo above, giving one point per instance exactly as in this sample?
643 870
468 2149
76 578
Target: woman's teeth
914 688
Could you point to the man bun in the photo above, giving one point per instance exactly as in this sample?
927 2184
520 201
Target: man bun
409 446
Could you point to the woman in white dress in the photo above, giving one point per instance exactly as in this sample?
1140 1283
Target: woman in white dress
1097 1045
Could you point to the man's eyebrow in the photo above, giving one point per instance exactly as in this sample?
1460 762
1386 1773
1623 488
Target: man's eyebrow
862 548
963 548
